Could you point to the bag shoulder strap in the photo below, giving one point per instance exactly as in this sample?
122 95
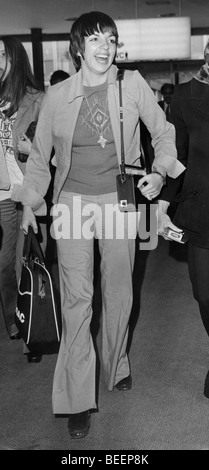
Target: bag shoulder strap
120 77
145 160
120 74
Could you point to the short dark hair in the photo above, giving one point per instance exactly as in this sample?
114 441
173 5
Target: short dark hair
58 76
86 25
167 88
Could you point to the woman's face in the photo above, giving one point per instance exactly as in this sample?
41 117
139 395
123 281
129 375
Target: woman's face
4 69
99 53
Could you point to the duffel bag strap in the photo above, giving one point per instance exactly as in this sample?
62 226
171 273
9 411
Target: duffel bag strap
31 246
120 76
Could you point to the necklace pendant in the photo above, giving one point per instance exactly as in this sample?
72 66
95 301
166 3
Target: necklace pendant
102 141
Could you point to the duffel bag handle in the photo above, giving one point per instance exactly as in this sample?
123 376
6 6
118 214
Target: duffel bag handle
31 246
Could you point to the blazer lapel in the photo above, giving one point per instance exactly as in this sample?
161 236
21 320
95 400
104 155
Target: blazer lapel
113 102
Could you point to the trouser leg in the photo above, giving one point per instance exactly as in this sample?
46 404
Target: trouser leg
116 284
74 378
8 282
20 244
117 260
198 263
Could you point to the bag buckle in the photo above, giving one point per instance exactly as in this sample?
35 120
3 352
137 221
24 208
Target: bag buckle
124 203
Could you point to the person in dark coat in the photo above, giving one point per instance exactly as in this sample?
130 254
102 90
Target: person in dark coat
190 116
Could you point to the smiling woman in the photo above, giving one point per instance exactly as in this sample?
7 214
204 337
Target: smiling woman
95 24
100 50
80 117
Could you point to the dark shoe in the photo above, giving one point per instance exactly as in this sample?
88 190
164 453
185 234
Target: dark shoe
34 357
206 387
124 384
79 424
15 336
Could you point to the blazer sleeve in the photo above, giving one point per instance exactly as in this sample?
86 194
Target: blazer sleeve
162 132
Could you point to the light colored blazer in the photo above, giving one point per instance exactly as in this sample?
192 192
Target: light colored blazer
27 112
56 125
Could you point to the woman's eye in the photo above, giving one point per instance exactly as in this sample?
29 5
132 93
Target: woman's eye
112 41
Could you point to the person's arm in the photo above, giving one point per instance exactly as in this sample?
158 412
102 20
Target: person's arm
151 185
37 175
162 133
24 141
182 143
28 218
163 136
164 221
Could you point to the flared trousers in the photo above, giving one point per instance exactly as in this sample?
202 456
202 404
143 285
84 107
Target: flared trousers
77 220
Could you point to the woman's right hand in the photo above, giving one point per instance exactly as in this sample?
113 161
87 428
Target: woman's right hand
28 218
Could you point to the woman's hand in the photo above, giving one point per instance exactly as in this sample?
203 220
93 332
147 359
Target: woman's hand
164 221
28 218
151 185
24 144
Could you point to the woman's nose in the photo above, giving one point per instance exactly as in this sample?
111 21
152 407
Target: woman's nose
104 44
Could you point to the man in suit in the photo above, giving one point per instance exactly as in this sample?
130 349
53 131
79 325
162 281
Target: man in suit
190 116
167 91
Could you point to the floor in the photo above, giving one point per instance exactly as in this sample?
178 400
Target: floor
168 350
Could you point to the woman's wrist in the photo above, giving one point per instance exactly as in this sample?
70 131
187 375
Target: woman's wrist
157 172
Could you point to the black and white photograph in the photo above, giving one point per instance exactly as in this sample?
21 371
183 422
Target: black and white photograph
104 231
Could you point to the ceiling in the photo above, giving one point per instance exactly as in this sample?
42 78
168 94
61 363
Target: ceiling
56 16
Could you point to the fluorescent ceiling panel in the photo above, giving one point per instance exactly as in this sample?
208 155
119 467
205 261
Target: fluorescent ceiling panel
154 39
